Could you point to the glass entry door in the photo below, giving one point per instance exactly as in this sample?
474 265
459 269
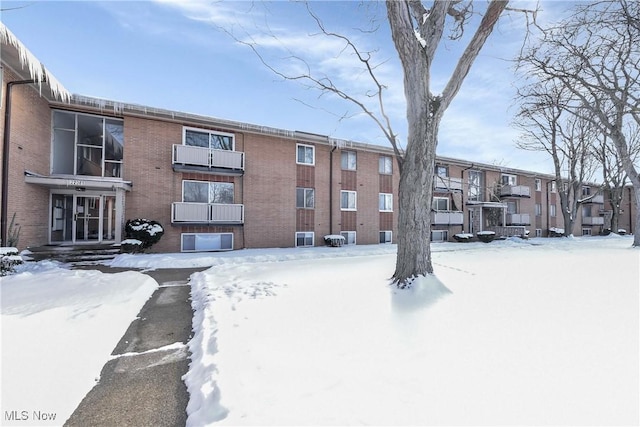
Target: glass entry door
82 219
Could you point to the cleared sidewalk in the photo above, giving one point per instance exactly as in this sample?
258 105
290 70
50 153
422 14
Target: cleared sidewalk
142 384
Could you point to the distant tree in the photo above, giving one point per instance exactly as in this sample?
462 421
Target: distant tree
551 122
595 55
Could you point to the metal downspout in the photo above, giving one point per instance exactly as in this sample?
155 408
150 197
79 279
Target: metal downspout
331 189
5 158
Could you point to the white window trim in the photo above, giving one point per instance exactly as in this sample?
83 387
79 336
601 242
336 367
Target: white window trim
348 152
346 239
445 232
210 132
391 162
195 250
391 197
355 193
511 177
538 184
552 211
313 149
538 232
209 183
554 187
305 198
441 198
313 239
390 237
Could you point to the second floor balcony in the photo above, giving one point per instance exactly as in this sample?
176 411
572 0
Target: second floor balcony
206 213
509 191
447 218
201 159
598 198
518 219
592 220
447 183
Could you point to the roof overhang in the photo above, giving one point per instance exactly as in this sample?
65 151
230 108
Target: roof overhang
26 66
75 182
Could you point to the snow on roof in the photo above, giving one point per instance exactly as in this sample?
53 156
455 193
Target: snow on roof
37 71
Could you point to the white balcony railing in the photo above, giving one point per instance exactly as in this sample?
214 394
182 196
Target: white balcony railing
209 213
518 219
593 220
447 183
208 157
598 198
447 218
515 191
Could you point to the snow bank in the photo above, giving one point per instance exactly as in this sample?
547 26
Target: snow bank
58 330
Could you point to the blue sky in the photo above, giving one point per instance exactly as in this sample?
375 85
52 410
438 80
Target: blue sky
171 54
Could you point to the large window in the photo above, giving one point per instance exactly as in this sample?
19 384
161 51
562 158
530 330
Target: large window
475 186
348 200
305 154
305 198
538 182
207 192
349 237
552 210
208 139
538 209
87 145
440 204
385 202
508 179
385 165
385 236
195 242
304 238
348 160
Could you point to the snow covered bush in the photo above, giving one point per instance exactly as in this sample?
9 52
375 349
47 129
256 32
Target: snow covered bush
463 237
9 258
486 236
131 246
146 231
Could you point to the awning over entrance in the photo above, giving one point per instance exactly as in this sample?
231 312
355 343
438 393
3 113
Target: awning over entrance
75 182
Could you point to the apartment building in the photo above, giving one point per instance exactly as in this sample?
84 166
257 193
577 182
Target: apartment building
77 168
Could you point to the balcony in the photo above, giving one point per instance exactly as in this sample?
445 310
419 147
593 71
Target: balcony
446 183
447 218
206 213
222 162
598 198
593 220
517 191
518 219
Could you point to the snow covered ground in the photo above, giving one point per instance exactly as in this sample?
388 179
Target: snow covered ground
544 331
59 327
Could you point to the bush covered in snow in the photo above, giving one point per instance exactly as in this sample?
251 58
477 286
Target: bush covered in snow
9 258
147 232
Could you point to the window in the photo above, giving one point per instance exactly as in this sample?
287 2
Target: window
349 237
385 237
512 207
439 235
87 145
305 154
304 238
195 242
305 198
440 204
385 202
475 186
385 165
552 210
209 139
442 171
553 187
586 191
538 184
348 200
538 232
207 192
538 209
508 179
586 211
586 232
348 160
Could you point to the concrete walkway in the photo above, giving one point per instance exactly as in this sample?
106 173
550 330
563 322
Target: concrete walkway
142 385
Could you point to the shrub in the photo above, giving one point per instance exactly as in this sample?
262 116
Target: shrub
148 232
9 258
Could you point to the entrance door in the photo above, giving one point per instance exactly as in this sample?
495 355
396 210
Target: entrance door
82 219
87 219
